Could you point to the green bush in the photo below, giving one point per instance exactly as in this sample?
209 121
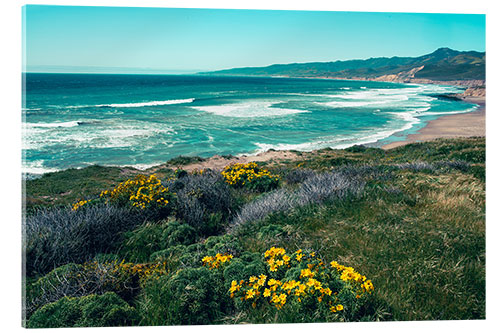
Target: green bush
191 296
59 282
191 256
142 192
87 311
250 176
139 244
204 201
185 160
248 264
296 287
96 277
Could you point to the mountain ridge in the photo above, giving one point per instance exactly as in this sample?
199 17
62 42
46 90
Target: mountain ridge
443 65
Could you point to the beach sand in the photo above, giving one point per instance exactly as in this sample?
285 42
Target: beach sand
218 162
452 126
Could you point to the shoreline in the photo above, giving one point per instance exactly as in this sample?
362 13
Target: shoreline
470 124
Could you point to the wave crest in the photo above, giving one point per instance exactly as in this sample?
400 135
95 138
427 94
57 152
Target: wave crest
152 103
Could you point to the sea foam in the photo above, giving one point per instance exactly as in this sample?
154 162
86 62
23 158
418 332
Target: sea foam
53 125
152 103
248 109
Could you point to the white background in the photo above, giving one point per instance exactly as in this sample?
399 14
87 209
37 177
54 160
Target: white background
10 181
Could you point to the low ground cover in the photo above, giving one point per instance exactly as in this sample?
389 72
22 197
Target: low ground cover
291 241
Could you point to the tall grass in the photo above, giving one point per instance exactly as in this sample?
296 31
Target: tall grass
55 237
315 189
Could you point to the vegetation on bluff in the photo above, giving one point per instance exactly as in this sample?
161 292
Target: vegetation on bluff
359 234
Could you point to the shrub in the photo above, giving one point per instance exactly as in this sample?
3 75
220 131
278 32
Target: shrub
56 284
241 267
329 185
185 160
139 244
204 201
270 231
356 149
224 244
90 278
300 287
251 176
141 192
192 255
315 189
60 236
87 311
191 296
298 175
274 202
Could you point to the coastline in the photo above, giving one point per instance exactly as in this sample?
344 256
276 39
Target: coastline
470 124
450 126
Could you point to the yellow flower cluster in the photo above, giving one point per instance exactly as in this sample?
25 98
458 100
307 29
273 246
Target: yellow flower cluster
314 283
240 174
349 274
140 191
276 257
217 261
80 203
335 308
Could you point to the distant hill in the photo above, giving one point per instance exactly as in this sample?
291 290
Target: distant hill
444 64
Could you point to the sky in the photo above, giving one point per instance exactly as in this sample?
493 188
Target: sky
173 40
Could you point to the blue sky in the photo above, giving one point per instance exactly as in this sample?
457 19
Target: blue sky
69 38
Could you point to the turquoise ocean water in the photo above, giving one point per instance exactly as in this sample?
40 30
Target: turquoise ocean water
75 120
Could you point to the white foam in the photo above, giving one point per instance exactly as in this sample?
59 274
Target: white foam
104 135
53 125
474 108
152 103
340 142
138 166
36 167
130 105
334 143
248 109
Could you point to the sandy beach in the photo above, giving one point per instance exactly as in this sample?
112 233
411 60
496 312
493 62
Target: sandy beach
452 126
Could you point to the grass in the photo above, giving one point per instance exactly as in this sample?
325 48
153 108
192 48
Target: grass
415 226
423 249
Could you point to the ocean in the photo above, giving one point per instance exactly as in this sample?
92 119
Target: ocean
76 120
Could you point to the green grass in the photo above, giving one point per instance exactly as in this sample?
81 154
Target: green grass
184 160
417 232
424 249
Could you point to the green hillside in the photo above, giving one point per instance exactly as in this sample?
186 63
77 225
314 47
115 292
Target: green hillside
358 234
443 64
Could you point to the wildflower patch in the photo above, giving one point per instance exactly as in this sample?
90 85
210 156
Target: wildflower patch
141 192
251 176
300 282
